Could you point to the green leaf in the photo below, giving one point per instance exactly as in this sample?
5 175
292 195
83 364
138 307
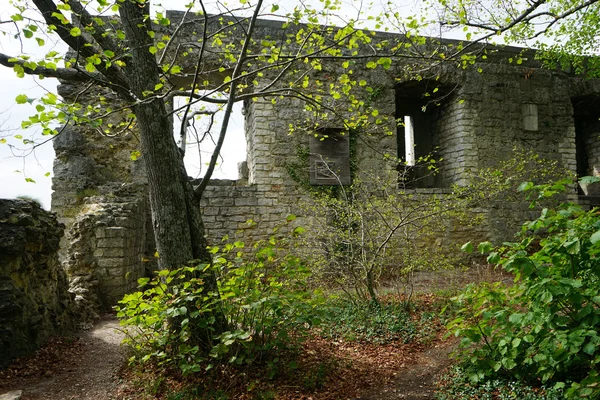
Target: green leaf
485 247
493 258
589 348
524 186
274 8
22 99
509 363
572 247
586 180
467 247
385 62
134 155
89 67
559 385
75 31
595 237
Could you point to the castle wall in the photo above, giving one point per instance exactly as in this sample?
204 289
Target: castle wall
100 192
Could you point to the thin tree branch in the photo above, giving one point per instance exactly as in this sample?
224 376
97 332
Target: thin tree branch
231 100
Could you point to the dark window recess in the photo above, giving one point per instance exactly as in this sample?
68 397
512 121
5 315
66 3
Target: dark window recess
418 106
330 157
586 116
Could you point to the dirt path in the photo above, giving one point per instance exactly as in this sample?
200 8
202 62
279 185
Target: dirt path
82 369
417 380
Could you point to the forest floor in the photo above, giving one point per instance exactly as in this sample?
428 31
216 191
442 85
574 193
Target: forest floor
93 366
85 367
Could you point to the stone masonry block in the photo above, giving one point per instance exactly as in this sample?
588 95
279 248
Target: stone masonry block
110 242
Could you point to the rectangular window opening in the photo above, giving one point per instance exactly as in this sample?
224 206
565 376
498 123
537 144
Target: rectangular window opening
409 141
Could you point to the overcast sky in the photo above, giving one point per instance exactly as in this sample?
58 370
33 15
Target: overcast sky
27 173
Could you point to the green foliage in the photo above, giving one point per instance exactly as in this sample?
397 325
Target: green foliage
456 385
371 323
369 230
545 327
265 298
390 321
372 231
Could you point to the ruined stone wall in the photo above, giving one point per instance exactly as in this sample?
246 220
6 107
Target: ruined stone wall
34 299
106 249
457 147
526 108
100 193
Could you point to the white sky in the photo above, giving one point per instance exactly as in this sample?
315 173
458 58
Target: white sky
15 168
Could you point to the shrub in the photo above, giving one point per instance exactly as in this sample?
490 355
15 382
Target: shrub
263 294
545 327
374 231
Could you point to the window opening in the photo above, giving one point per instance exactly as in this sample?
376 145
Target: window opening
330 157
586 118
418 108
201 139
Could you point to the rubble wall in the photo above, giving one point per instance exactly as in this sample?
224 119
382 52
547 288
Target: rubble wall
34 299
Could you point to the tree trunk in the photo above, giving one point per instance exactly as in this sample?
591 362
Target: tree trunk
177 223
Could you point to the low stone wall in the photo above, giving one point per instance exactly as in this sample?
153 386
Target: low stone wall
34 299
249 213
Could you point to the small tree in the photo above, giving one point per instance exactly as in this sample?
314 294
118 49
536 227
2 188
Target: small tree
376 229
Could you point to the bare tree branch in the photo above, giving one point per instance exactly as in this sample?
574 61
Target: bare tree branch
230 101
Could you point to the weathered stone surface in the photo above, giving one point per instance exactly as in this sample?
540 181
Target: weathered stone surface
34 299
105 249
12 395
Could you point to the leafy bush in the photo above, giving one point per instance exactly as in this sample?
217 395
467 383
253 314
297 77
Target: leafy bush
544 328
372 231
263 295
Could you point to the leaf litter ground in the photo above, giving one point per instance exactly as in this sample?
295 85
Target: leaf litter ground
92 366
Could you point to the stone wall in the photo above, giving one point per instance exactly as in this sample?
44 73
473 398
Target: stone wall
100 196
34 299
478 117
107 250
